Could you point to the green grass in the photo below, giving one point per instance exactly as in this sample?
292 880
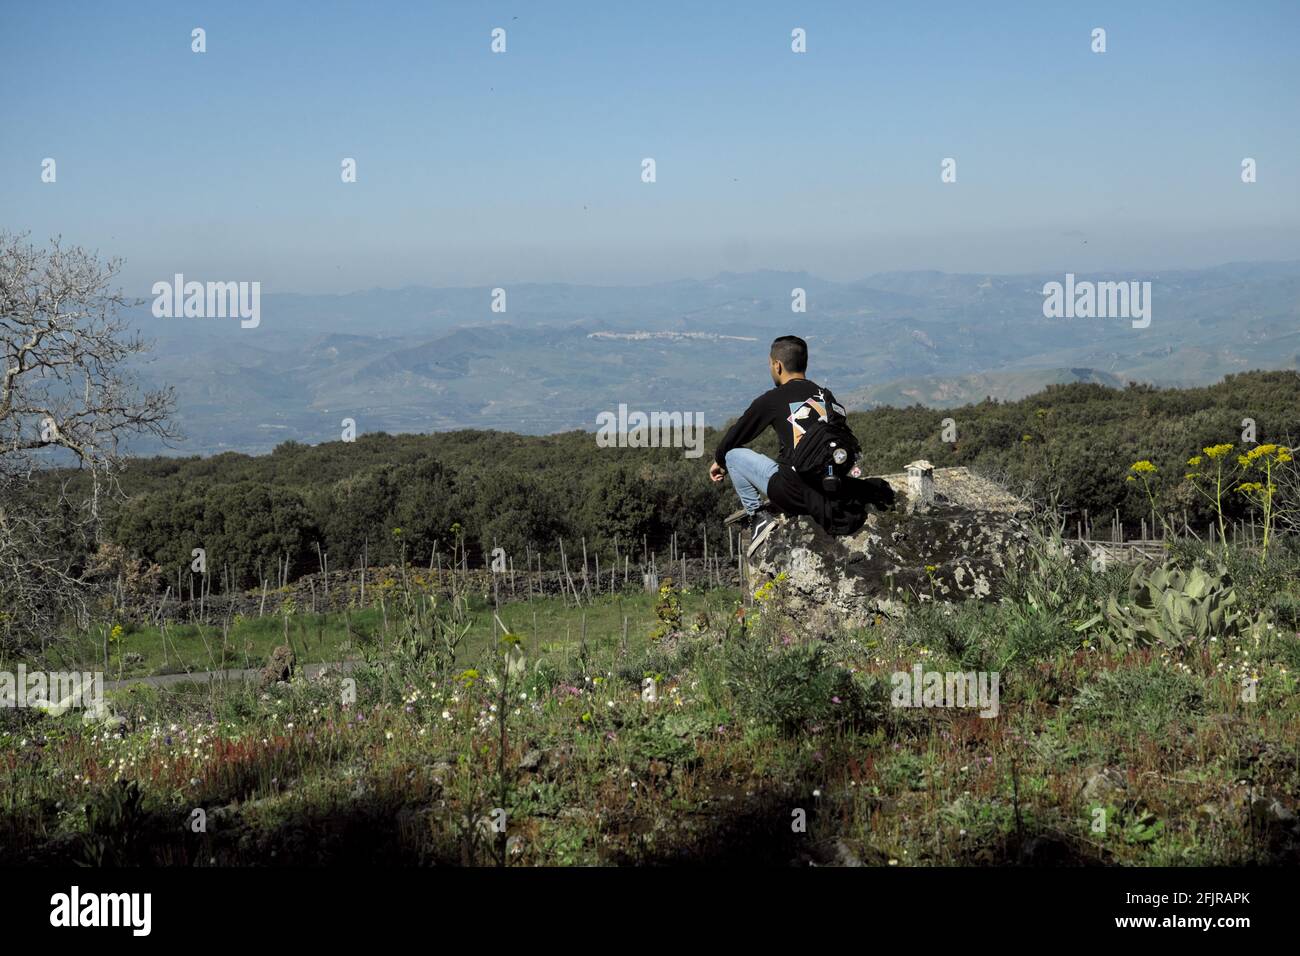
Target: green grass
1126 756
545 622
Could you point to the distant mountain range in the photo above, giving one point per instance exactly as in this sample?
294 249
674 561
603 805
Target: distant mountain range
425 359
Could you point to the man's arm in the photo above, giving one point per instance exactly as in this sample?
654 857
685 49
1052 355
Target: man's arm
746 428
830 400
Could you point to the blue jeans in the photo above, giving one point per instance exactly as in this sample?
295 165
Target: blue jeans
750 472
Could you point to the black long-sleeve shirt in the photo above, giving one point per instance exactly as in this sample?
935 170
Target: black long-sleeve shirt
775 409
788 492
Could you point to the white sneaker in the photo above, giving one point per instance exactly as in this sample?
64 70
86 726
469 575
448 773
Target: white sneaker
764 522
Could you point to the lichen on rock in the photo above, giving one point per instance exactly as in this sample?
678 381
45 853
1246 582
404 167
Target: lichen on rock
948 537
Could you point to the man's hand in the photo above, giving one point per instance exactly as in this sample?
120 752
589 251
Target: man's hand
717 472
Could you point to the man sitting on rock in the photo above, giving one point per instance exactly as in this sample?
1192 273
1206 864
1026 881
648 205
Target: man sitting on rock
798 409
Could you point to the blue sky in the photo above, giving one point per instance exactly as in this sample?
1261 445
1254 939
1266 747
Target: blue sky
477 168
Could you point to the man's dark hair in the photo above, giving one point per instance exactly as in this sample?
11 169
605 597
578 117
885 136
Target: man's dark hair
792 352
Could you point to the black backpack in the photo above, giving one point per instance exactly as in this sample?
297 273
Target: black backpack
825 448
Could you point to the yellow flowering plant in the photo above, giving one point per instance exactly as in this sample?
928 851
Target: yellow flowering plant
930 569
767 591
1141 471
668 610
769 600
114 638
1266 459
1213 478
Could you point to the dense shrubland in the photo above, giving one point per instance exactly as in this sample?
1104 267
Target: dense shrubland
1069 447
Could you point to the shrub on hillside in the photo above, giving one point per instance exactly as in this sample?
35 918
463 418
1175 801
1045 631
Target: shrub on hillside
794 689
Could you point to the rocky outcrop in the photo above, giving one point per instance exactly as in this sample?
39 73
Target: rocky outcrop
948 536
279 667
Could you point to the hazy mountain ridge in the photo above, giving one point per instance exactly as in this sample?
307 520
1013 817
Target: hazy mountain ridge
422 359
953 392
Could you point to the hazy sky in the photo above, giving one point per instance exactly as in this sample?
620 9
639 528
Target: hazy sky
481 168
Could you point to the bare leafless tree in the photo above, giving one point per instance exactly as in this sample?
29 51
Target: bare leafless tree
67 398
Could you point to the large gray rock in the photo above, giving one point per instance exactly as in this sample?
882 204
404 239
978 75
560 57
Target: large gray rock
279 667
949 536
